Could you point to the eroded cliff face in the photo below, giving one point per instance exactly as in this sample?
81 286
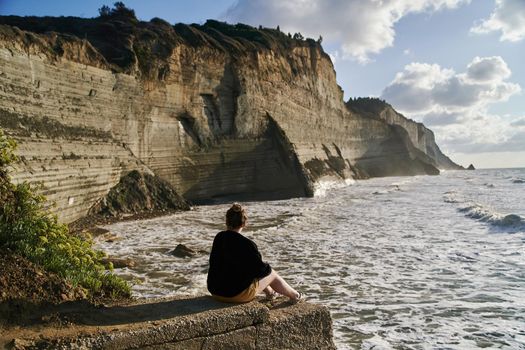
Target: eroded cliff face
420 136
216 110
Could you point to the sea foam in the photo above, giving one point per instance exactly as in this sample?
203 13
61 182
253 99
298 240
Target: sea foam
322 187
482 213
384 265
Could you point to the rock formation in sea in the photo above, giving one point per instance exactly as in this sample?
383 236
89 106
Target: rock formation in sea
471 167
216 111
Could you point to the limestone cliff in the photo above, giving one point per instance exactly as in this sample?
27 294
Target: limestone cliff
420 136
218 111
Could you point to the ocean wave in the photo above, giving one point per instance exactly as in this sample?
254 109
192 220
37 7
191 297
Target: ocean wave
451 197
393 188
322 187
482 213
518 181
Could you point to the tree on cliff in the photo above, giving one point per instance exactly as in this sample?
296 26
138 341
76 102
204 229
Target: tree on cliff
298 36
29 230
119 10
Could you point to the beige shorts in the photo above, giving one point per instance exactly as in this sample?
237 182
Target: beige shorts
243 297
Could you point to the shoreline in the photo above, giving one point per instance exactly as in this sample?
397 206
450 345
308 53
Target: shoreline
92 223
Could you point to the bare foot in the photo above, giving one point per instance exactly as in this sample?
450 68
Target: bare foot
297 298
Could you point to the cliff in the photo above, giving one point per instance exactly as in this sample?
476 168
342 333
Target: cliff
420 136
217 111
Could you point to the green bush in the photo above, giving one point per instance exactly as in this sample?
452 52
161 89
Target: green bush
29 230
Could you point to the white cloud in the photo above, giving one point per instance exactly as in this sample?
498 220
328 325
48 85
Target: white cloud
423 88
334 56
507 18
436 118
520 122
423 75
360 27
488 69
455 104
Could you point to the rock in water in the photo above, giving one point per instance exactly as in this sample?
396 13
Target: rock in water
181 251
139 192
471 167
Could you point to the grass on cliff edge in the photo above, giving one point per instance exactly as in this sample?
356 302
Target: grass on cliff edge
27 229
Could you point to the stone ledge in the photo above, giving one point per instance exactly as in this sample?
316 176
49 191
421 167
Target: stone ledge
180 323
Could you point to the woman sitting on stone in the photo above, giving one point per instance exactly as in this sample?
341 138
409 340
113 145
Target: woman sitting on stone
237 273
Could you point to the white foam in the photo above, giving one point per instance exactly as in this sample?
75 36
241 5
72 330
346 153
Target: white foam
483 213
452 197
322 187
376 343
383 265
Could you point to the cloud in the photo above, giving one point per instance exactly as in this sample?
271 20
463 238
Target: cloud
334 56
359 27
423 88
514 142
488 69
456 104
507 18
456 93
519 122
441 118
480 133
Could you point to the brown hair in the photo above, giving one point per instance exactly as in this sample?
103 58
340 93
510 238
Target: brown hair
236 216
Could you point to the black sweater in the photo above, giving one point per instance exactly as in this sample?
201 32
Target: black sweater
235 262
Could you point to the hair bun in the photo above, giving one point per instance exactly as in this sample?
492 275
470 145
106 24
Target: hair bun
236 207
235 217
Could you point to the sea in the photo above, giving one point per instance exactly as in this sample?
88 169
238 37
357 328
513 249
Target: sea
422 262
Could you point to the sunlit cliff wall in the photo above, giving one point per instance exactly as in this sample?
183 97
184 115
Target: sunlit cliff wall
219 111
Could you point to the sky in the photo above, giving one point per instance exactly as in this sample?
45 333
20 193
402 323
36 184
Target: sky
455 65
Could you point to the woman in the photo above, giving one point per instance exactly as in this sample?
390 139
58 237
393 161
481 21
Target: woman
237 273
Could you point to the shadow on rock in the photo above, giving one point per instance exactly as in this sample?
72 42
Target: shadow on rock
84 313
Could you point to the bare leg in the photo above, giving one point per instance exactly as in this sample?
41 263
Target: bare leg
278 284
268 291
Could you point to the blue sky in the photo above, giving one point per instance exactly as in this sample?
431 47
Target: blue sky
455 65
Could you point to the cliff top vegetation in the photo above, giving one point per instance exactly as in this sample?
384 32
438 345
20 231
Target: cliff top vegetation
371 107
127 43
367 105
